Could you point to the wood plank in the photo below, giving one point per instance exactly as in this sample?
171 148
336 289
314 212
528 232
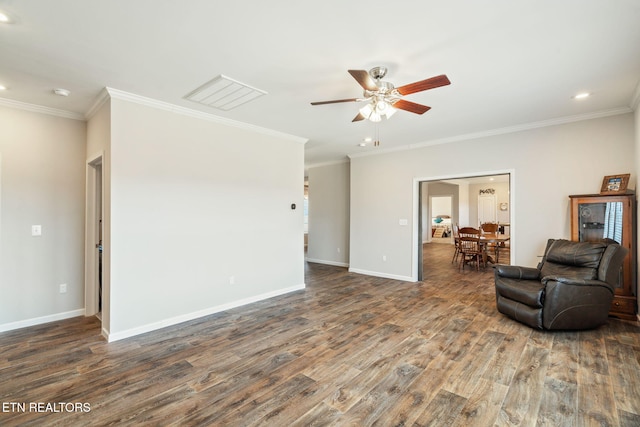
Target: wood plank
522 401
484 406
595 399
564 357
558 406
624 370
443 409
383 396
464 379
592 352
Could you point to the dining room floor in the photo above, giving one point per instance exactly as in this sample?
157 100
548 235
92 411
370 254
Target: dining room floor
437 260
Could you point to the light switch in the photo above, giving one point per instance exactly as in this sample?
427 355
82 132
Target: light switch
36 230
403 221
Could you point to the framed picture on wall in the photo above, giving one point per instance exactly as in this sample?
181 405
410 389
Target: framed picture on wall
615 184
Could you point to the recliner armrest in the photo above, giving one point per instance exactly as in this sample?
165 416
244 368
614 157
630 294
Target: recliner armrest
576 281
517 272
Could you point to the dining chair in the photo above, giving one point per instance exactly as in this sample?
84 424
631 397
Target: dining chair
470 247
491 228
456 242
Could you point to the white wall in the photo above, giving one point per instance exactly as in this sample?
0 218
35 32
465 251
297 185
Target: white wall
329 214
549 164
201 217
42 183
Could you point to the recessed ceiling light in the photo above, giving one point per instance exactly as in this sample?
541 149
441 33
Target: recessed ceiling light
582 95
362 144
4 18
368 139
2 87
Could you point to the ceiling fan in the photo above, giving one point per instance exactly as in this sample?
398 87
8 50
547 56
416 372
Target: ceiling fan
383 99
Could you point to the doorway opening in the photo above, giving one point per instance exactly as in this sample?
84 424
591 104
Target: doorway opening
441 225
93 242
474 200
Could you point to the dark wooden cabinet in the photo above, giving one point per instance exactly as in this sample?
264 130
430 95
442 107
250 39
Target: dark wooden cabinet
595 217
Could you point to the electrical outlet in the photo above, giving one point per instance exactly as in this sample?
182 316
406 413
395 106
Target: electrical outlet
63 288
232 280
36 230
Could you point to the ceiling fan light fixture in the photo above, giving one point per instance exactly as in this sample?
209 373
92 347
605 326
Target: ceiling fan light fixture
390 111
383 98
366 111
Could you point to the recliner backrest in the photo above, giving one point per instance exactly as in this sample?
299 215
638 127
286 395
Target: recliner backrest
579 260
612 259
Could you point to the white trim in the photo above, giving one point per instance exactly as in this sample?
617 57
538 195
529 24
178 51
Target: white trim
499 131
416 211
160 105
40 109
383 275
195 315
40 320
322 261
102 97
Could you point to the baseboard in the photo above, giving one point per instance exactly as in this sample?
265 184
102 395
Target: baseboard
116 336
322 261
105 334
383 275
40 320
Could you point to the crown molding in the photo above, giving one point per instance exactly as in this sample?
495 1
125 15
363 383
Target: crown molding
40 109
102 97
499 131
161 105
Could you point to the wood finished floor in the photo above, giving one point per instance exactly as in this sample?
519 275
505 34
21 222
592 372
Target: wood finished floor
348 350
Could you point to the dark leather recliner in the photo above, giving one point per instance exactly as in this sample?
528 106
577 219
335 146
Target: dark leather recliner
572 287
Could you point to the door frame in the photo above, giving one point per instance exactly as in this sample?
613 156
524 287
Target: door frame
92 231
416 250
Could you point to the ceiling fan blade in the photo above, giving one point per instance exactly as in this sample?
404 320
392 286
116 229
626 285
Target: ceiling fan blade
427 84
358 118
335 101
364 79
411 106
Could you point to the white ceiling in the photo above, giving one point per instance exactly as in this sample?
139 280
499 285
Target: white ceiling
512 64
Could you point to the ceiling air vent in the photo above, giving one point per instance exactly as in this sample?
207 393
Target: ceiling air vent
224 93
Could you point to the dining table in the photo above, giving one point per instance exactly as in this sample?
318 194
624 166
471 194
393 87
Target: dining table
497 238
